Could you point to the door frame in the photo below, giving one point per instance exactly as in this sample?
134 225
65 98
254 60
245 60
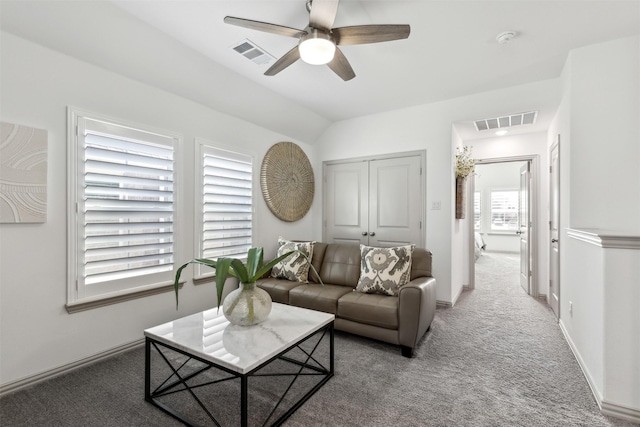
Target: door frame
423 185
534 170
554 146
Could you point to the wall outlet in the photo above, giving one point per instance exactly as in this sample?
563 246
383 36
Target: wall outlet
570 307
435 206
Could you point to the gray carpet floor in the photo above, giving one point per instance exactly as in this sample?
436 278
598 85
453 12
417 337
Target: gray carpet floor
498 358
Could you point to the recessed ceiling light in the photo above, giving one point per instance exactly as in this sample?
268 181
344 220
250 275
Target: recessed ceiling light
502 132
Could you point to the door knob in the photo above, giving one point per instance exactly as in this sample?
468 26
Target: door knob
364 233
372 233
554 240
519 232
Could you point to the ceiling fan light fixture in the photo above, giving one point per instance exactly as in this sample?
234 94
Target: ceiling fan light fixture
316 47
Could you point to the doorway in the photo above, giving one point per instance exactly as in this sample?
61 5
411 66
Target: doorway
504 218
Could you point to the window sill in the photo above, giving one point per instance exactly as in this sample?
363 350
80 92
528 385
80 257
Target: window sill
201 280
115 298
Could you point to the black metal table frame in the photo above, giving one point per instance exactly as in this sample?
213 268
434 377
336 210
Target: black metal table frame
165 389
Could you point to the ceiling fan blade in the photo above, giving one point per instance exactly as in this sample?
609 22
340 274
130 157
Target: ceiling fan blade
363 34
341 66
322 14
265 26
287 59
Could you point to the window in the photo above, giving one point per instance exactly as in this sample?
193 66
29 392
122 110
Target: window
227 205
477 208
122 191
504 210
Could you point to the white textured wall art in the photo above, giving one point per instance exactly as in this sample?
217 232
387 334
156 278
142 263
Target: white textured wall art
23 174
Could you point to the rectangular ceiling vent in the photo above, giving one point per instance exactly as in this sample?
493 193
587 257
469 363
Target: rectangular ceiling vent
251 51
519 119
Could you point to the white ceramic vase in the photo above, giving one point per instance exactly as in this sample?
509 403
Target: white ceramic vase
247 305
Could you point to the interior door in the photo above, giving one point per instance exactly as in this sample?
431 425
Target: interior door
553 297
376 202
346 201
524 228
395 202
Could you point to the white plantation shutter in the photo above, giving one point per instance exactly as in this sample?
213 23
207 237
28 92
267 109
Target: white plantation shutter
477 203
227 204
504 210
125 207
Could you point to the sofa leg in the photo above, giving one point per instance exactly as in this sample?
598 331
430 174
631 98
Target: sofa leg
406 351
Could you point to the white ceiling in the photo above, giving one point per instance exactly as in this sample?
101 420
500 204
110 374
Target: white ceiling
451 52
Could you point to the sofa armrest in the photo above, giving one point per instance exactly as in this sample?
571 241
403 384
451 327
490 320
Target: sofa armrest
416 310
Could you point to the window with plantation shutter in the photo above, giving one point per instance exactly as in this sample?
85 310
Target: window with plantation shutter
477 210
227 204
124 202
504 210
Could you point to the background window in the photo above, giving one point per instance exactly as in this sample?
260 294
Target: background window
477 209
504 210
227 204
122 234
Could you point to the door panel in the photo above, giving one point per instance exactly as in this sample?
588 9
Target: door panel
374 202
346 202
553 297
524 229
395 205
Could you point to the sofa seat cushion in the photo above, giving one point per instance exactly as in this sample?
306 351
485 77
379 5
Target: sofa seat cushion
370 309
278 289
318 297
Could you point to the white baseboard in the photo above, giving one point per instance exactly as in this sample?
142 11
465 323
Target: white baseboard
443 304
606 407
583 366
45 375
619 411
450 304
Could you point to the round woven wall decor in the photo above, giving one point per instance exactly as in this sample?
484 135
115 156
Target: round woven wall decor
286 179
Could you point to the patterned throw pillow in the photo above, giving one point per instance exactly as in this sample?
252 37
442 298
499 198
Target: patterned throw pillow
384 270
295 267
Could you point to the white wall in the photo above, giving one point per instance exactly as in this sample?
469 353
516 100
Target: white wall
37 334
430 127
497 176
599 125
605 129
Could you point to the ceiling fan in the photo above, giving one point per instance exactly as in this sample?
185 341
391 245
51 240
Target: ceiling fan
318 42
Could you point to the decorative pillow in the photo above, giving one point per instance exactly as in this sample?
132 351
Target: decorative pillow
294 267
384 270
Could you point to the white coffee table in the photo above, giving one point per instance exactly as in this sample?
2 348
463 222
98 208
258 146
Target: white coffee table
240 351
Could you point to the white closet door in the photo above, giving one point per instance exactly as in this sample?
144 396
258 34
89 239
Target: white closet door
346 206
395 202
374 202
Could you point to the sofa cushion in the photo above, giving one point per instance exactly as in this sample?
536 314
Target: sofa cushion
384 270
421 263
318 297
370 309
295 267
318 258
278 289
341 265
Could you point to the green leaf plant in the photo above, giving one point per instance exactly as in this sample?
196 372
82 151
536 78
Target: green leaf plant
247 273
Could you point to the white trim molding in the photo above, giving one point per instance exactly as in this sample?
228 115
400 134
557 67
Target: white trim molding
606 238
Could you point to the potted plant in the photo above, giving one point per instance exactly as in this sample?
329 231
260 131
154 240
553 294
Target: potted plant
248 304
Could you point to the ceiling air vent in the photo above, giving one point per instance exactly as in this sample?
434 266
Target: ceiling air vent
528 118
251 51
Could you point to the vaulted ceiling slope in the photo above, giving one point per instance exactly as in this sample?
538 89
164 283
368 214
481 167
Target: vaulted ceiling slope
102 34
184 46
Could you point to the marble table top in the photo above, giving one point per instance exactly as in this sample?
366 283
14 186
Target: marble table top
211 337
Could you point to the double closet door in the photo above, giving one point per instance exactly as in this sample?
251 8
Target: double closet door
376 202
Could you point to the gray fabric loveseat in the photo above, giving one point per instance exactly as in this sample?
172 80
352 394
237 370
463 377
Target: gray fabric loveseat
400 320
